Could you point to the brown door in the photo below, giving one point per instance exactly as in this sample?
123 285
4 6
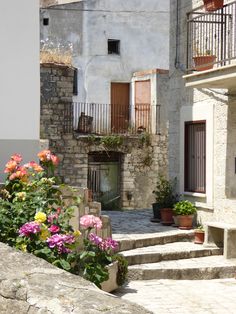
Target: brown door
142 105
119 107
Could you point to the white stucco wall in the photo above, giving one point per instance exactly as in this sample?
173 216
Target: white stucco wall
19 78
141 26
218 108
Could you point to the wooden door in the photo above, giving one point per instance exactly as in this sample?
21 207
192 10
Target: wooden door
142 105
120 96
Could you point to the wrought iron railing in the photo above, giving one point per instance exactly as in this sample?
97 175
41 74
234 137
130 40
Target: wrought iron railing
92 118
211 38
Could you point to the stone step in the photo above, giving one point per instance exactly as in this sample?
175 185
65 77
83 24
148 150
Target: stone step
132 241
210 267
170 251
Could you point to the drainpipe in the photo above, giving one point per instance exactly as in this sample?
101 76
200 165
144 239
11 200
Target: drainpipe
177 36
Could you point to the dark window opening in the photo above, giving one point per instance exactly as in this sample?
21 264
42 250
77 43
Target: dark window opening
75 82
195 157
113 46
46 21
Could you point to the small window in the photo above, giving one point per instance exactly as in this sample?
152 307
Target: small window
195 156
75 82
113 46
46 21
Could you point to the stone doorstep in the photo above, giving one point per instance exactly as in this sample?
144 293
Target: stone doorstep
201 268
135 241
172 251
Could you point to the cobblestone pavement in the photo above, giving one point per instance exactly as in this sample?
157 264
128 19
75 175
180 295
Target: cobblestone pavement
216 296
136 224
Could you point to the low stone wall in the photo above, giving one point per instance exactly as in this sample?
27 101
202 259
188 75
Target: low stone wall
39 287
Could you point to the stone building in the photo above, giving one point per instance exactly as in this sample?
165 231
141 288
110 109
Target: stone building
120 169
106 118
202 107
109 41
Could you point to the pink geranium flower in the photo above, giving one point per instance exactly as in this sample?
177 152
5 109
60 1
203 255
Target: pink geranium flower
90 221
29 228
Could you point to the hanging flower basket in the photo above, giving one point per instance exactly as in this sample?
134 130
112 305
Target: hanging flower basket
212 5
203 63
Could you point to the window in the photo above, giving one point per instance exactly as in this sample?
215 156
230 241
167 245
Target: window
113 46
75 82
195 156
46 21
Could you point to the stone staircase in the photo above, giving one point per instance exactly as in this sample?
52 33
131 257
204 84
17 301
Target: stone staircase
174 256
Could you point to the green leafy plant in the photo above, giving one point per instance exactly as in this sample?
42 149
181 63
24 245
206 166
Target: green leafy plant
111 141
145 139
165 193
184 208
122 269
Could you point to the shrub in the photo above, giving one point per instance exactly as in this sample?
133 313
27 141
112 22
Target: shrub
34 218
165 193
184 208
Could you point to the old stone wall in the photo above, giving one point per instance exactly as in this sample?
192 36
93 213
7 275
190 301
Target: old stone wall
218 108
39 287
140 165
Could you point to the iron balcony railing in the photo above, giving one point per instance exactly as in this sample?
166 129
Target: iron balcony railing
101 119
211 38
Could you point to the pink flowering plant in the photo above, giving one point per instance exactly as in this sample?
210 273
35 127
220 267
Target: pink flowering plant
97 253
35 219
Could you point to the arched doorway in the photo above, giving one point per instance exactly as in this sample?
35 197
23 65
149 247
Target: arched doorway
104 178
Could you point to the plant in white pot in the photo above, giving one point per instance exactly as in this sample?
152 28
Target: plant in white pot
185 211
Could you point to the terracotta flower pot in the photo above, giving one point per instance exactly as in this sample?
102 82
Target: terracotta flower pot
185 221
212 5
203 63
167 216
199 236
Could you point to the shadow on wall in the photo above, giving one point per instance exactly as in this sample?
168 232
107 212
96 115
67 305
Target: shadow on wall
230 169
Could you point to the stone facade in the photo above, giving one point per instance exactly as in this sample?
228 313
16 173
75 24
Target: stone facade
142 157
218 108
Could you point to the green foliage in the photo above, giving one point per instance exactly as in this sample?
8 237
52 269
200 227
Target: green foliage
184 208
35 218
145 139
111 141
93 262
122 269
165 193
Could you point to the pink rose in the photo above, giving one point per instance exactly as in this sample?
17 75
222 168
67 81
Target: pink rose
54 229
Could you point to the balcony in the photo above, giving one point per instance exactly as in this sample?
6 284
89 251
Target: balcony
211 48
106 119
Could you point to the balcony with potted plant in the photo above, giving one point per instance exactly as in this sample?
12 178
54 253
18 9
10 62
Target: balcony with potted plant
211 29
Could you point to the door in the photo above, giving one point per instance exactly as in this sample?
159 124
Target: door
120 96
142 105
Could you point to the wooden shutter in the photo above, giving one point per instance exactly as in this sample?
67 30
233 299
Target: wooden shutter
195 156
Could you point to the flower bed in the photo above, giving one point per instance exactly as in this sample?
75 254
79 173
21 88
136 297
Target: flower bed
34 218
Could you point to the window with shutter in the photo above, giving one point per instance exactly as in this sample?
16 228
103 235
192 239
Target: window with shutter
195 156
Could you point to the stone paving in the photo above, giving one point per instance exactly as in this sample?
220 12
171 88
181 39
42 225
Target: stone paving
216 296
136 223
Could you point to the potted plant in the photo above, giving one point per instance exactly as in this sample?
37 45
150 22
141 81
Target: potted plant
165 199
199 235
204 61
212 5
185 211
